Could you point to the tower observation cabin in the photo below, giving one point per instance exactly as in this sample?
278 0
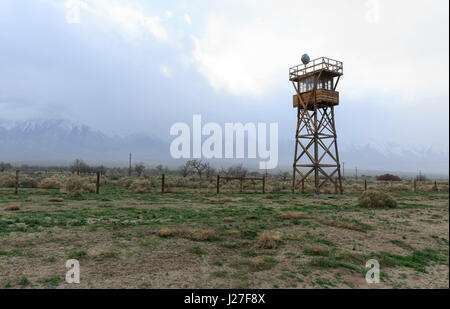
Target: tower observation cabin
327 73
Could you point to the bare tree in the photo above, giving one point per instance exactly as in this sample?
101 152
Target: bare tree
235 171
101 169
186 169
139 168
160 169
80 167
209 171
198 166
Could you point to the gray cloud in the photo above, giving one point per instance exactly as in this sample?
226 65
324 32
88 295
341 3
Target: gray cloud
123 75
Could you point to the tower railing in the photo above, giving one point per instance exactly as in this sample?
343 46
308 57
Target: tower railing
318 64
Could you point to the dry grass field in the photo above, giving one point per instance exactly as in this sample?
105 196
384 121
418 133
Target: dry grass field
193 238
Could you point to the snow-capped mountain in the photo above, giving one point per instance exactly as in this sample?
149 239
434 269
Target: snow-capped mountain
56 139
387 157
394 158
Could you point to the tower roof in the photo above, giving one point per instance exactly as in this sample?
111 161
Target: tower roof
329 66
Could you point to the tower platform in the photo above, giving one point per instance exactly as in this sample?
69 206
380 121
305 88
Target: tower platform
329 67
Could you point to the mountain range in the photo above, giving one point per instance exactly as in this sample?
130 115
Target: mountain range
59 141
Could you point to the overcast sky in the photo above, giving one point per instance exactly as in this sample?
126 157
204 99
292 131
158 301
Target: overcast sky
140 66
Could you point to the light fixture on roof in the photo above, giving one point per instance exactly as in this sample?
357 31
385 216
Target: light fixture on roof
305 59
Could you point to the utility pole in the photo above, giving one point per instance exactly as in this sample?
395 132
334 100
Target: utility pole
129 167
356 172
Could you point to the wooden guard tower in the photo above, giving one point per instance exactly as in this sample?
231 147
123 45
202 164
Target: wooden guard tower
316 150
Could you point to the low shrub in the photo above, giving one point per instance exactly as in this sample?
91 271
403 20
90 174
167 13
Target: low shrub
377 199
56 200
316 251
27 182
126 181
293 215
53 182
269 240
141 185
165 232
234 233
259 263
78 184
399 187
198 234
12 208
7 180
353 187
204 234
171 190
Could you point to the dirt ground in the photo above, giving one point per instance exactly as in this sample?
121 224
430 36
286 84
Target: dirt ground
199 240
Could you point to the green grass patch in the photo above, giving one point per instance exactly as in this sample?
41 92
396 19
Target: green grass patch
77 254
418 260
197 250
52 281
24 282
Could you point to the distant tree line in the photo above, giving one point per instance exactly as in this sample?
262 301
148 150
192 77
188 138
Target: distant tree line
196 167
200 168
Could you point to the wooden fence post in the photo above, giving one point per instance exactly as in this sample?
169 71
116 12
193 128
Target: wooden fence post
335 186
16 184
435 186
264 184
303 186
97 184
415 185
241 185
365 184
163 183
218 184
